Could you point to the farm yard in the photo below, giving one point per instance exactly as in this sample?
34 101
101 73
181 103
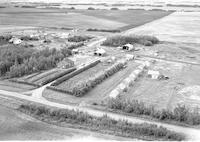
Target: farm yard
73 59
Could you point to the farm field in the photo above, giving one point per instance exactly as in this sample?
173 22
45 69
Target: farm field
97 94
179 27
90 19
132 18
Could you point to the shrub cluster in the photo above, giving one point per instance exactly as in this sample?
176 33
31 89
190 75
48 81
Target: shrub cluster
68 76
79 38
180 114
83 87
91 8
16 61
103 30
28 38
74 46
120 40
102 124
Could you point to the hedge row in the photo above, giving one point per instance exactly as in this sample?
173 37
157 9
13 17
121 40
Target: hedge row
74 46
64 78
103 124
58 89
83 87
103 30
120 40
180 113
58 76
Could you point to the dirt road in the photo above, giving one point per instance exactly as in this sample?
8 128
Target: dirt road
191 133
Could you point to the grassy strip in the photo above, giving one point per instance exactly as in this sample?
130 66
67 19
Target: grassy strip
180 114
64 78
120 40
103 30
101 124
85 86
24 82
48 80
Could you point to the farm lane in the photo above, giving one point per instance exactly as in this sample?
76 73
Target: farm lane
190 133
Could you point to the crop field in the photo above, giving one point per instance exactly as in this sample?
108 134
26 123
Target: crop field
132 18
90 19
164 93
97 94
57 19
177 27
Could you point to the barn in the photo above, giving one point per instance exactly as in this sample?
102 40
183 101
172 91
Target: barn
100 52
128 47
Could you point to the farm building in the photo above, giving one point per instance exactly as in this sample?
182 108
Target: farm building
100 52
66 63
114 94
153 74
75 51
128 47
15 41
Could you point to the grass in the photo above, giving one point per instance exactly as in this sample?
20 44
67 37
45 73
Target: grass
120 40
101 124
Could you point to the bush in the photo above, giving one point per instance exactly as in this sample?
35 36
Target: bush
79 38
114 8
101 124
119 40
104 30
74 46
91 8
180 113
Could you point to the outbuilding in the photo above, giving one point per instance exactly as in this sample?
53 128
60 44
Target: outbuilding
15 41
100 52
153 74
128 47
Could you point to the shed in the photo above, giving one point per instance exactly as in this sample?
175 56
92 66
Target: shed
114 93
153 74
128 47
15 40
75 51
100 52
